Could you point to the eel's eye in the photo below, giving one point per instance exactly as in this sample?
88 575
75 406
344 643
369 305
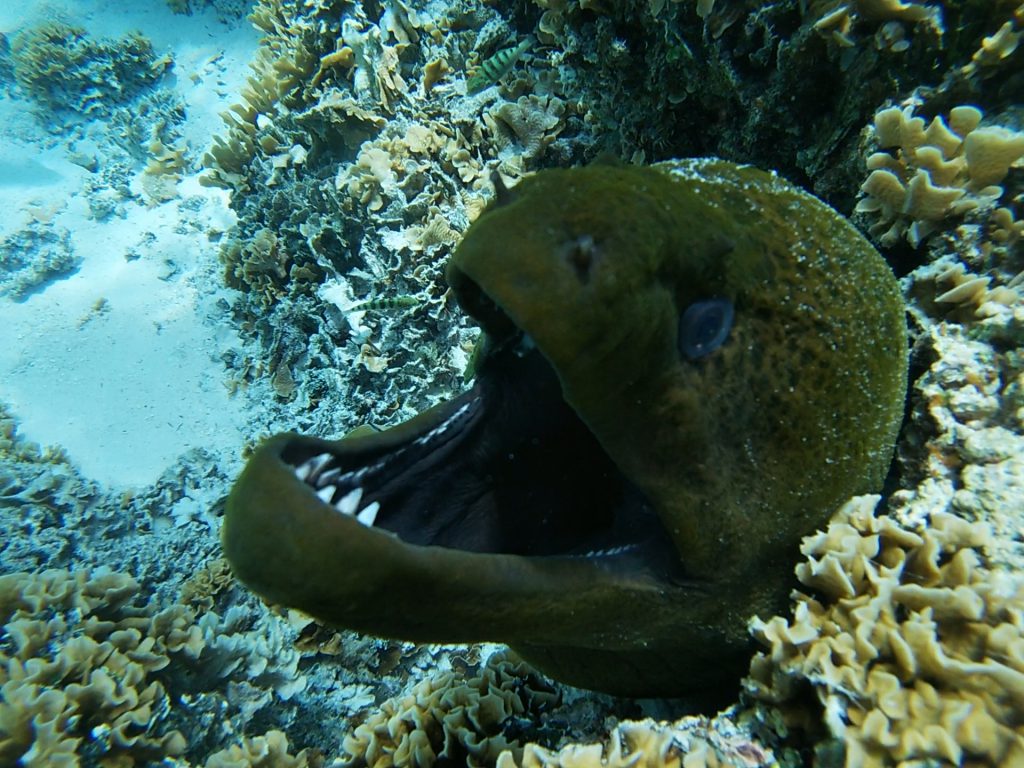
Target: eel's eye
704 327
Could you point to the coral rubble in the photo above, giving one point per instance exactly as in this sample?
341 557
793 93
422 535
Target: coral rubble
34 257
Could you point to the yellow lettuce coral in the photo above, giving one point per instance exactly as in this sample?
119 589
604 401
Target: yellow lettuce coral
267 751
693 742
450 718
75 669
913 648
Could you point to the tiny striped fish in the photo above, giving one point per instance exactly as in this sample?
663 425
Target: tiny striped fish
395 302
492 69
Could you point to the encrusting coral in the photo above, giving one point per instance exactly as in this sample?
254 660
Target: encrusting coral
912 647
934 173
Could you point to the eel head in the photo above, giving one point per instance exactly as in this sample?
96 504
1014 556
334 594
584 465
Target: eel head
685 369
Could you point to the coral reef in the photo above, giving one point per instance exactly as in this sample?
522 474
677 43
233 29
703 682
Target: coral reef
451 719
963 444
356 158
78 669
843 23
379 107
39 492
228 11
937 173
491 717
93 670
691 742
912 645
62 68
334 95
267 751
998 49
674 233
34 257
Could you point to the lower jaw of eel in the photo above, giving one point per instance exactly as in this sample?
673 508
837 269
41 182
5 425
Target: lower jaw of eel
493 517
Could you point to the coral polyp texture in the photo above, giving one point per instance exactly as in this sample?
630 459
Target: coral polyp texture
911 645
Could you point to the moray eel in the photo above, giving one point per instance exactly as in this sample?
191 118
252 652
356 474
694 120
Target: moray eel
687 368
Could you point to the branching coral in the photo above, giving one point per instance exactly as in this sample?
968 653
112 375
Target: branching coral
913 648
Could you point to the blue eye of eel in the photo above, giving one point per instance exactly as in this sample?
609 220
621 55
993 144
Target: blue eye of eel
609 509
704 327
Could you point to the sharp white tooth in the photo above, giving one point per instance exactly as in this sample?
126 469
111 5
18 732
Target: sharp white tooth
312 466
330 476
350 501
317 462
325 494
369 514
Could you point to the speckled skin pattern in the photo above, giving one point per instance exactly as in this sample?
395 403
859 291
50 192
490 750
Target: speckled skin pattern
739 454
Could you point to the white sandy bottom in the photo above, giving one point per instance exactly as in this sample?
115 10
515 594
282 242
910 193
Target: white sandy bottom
129 386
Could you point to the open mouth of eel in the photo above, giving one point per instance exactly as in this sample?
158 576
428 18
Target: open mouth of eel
506 467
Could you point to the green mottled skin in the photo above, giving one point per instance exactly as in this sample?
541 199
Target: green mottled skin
740 453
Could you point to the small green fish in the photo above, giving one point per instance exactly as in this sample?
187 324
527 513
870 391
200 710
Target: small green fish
394 302
492 69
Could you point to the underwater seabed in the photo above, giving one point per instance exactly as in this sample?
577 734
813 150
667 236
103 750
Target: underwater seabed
135 375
